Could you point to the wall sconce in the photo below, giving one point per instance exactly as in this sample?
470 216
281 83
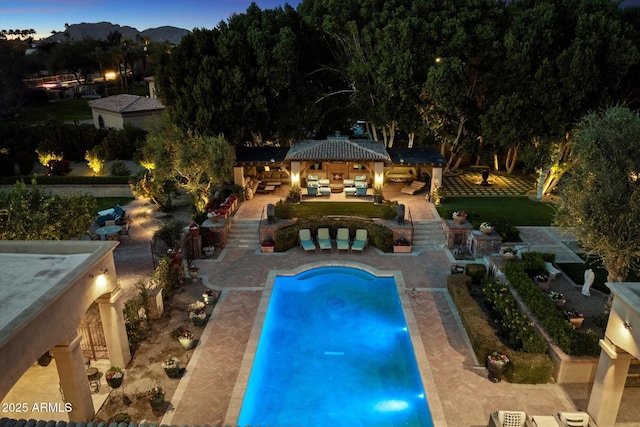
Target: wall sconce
100 273
627 325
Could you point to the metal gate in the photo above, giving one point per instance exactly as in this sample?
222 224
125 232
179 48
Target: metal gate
93 342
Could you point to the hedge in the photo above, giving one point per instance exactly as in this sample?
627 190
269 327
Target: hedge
525 368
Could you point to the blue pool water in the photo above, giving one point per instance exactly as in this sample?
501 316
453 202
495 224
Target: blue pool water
335 351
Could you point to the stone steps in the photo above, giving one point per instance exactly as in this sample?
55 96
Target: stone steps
428 235
244 234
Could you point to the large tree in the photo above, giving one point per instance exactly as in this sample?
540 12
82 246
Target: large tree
601 201
31 213
194 162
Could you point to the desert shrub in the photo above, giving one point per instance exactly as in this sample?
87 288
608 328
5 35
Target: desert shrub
118 168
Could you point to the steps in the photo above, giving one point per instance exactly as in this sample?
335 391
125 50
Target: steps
428 235
244 234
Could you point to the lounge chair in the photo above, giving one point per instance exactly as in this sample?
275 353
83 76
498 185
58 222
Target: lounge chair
324 239
509 419
574 419
553 272
342 239
361 240
312 188
361 188
305 240
413 188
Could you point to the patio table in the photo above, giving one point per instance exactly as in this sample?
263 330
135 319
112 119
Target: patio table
108 230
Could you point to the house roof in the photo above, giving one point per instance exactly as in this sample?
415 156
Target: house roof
338 150
252 155
126 103
422 155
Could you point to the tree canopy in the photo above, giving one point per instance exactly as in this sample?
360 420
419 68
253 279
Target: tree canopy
601 201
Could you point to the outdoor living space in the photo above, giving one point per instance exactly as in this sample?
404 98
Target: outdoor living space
458 390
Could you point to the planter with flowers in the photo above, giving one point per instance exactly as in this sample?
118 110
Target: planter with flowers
208 251
197 313
268 245
558 299
496 362
508 252
543 281
486 228
210 296
193 272
186 339
402 245
114 376
171 367
459 217
155 396
194 229
575 318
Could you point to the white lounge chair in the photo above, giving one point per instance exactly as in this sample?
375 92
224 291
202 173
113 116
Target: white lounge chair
306 243
324 239
342 239
413 188
361 240
553 272
574 419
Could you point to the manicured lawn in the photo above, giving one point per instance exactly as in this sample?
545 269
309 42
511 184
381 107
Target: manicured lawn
518 210
109 202
60 111
311 209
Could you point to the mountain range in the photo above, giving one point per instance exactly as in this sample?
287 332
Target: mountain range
101 30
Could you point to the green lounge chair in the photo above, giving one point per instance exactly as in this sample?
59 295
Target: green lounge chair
305 240
324 239
342 239
361 240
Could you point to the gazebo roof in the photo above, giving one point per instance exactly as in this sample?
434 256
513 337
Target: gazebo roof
338 150
422 155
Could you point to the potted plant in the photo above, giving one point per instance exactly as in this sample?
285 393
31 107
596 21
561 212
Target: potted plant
155 396
208 251
194 229
185 337
378 196
486 228
197 313
171 367
114 376
496 362
508 252
459 217
575 318
558 299
402 245
193 271
268 245
210 296
543 281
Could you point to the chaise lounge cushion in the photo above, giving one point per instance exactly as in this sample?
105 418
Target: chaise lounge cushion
414 187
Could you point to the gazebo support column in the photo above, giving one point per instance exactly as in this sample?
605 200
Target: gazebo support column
436 179
113 324
73 379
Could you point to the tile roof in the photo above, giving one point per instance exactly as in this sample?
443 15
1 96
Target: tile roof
126 103
422 155
338 150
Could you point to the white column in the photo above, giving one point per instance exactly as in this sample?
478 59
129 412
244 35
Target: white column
73 379
295 174
436 178
378 175
608 384
115 331
238 175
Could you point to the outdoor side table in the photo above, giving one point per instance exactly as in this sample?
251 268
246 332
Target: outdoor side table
93 375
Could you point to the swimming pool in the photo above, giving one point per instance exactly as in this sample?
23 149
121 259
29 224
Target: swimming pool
335 350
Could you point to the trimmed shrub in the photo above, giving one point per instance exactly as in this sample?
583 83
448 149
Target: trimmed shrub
477 272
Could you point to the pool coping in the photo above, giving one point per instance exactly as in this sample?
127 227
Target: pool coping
433 400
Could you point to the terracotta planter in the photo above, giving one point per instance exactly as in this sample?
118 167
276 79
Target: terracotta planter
486 230
543 285
401 249
576 322
560 303
459 218
194 231
267 249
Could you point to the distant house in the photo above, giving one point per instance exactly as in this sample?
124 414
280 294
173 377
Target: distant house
115 111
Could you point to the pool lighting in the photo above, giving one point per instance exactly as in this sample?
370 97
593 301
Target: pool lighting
391 405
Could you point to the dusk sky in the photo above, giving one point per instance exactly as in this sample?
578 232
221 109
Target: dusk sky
45 16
